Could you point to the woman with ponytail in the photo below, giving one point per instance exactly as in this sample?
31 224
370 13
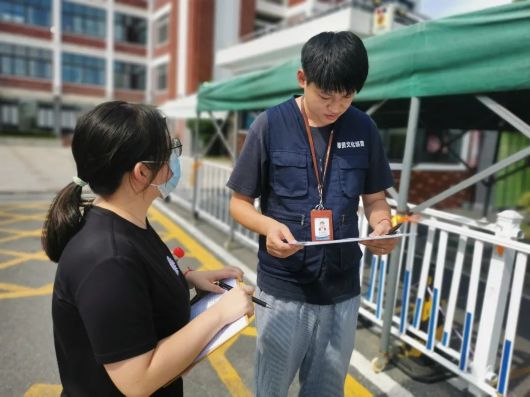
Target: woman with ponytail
120 303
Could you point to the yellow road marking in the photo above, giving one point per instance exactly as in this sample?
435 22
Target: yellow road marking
42 390
27 204
249 331
218 360
227 372
21 257
18 234
207 260
13 218
12 287
519 372
352 388
24 292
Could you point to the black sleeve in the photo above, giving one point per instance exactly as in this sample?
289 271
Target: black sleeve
248 174
379 176
115 307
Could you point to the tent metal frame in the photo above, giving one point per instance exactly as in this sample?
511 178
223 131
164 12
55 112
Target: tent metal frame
401 196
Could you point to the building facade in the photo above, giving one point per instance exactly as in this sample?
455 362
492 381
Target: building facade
60 57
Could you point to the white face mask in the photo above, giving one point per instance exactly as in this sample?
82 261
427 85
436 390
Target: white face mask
166 188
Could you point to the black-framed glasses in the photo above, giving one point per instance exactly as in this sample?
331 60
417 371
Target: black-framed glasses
176 147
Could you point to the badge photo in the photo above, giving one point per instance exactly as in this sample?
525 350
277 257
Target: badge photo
321 225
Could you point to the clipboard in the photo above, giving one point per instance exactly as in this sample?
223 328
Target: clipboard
202 302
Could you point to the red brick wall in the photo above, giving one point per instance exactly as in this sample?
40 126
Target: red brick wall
161 3
173 40
247 17
161 50
26 30
83 40
129 95
200 44
25 83
133 49
134 3
161 98
81 89
426 184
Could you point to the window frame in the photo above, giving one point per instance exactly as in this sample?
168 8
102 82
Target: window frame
85 20
87 67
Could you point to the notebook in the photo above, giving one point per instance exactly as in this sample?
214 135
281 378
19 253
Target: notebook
227 332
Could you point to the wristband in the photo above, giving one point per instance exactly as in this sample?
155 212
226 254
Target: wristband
185 272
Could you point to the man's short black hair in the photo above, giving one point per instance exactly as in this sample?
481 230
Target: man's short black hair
335 62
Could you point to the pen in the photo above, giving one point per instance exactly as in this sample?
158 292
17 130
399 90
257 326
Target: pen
394 229
255 300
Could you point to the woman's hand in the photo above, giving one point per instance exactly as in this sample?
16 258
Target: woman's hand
235 303
204 279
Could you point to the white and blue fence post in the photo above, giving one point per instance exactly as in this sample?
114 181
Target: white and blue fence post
495 298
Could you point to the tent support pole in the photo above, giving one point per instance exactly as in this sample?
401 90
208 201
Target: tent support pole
219 133
518 156
235 131
374 108
218 127
195 168
505 114
393 272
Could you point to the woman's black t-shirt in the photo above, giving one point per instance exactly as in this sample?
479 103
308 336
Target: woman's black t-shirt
117 292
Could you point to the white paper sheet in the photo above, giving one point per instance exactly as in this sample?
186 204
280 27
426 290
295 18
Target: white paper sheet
351 240
227 331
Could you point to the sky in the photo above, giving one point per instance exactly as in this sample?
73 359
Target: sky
442 8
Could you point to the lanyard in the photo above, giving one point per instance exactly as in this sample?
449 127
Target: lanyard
320 182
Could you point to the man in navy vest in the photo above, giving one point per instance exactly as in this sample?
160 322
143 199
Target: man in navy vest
310 159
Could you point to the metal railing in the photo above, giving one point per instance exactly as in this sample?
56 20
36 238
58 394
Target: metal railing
465 319
366 5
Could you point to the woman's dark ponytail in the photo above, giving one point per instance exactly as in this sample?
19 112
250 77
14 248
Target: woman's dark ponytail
64 219
108 141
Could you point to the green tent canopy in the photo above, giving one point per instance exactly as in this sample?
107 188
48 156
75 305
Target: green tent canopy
481 52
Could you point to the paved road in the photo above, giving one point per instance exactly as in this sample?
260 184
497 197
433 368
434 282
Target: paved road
32 173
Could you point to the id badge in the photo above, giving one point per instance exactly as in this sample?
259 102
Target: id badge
321 225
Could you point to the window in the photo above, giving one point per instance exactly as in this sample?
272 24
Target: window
162 26
130 29
161 77
31 12
129 76
83 69
84 20
430 146
45 118
16 60
439 146
68 118
8 114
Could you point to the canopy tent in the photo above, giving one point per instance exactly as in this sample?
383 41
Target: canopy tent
484 54
185 108
480 52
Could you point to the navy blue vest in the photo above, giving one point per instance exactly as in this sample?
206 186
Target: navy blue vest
289 192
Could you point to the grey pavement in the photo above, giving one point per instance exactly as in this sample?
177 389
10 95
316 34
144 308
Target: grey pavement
33 170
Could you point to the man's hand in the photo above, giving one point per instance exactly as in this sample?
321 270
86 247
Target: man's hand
381 247
280 241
